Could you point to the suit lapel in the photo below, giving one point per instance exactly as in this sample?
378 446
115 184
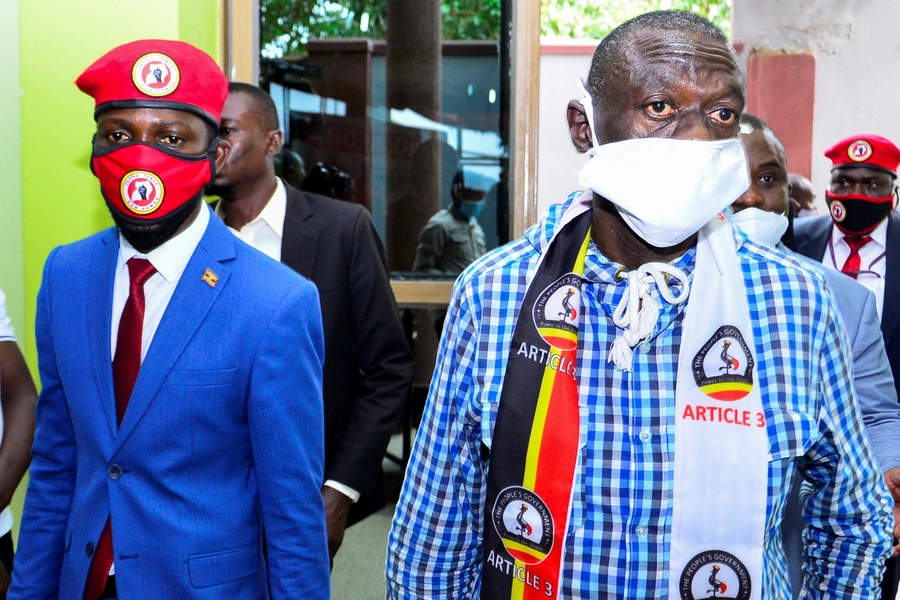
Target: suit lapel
815 244
192 300
301 236
99 319
890 311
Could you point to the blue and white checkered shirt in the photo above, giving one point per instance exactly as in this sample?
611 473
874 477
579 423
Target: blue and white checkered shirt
617 544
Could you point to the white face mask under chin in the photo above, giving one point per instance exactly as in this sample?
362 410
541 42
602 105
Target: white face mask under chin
764 228
666 189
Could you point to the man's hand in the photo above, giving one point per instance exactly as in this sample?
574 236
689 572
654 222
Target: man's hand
892 478
337 506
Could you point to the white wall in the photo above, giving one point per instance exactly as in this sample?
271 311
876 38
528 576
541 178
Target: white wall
857 50
558 161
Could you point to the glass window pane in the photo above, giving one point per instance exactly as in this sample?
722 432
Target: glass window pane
411 122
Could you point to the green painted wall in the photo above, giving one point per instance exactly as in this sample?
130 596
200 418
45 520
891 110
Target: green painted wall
12 275
58 39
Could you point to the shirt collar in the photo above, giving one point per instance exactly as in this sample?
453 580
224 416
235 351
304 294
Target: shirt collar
272 214
171 258
878 235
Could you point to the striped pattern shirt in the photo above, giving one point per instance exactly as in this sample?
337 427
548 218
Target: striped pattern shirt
617 544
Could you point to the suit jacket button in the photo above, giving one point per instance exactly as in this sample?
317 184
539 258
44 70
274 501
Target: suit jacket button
89 549
114 472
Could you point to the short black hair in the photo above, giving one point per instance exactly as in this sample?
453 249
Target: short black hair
262 102
609 52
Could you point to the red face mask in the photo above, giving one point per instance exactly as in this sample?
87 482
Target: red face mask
145 183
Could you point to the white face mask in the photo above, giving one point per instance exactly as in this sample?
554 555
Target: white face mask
764 228
666 189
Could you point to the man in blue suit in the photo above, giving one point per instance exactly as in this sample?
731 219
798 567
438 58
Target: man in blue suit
181 408
761 214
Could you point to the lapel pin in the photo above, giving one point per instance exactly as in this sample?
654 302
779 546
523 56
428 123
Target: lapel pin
210 278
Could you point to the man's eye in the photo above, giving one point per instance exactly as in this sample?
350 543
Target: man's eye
116 136
725 116
172 140
227 130
766 179
660 109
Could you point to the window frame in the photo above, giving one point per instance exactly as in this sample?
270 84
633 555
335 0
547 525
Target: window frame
240 43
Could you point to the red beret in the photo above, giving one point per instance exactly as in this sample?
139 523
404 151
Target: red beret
865 150
156 74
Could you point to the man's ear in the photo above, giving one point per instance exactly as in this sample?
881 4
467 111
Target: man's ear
276 140
579 126
222 151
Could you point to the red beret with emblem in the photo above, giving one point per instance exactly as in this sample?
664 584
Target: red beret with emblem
156 74
865 150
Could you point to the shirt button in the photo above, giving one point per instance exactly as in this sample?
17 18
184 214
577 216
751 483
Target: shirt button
89 549
114 472
640 531
645 436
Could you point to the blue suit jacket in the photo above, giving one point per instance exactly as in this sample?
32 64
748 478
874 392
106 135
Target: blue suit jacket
224 432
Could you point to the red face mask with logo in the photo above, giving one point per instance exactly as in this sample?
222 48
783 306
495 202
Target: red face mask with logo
858 214
144 183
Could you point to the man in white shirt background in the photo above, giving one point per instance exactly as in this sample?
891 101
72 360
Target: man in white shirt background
861 237
18 397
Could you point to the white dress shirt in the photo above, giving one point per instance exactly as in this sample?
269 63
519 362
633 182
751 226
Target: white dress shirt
265 233
872 259
170 260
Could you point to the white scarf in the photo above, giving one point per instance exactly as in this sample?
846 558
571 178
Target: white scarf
721 446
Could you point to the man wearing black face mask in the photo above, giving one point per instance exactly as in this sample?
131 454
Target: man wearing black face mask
861 238
181 369
862 235
623 396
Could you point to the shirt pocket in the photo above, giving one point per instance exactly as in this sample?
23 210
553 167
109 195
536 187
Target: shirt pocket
194 378
222 567
579 488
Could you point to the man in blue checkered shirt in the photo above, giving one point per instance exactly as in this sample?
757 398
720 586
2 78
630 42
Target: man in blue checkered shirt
662 75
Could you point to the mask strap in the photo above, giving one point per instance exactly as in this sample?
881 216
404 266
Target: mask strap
588 104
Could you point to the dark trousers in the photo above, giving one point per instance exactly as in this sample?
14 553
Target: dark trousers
891 579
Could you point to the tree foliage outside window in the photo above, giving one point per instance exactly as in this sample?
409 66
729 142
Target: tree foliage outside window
590 19
287 25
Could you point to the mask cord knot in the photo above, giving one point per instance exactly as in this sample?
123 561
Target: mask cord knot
638 312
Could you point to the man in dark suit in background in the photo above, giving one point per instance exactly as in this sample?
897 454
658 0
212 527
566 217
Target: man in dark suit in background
368 364
861 237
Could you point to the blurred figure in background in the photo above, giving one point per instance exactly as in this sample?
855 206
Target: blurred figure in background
293 168
803 196
452 239
330 182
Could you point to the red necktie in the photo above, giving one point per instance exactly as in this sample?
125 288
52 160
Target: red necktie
126 365
856 242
